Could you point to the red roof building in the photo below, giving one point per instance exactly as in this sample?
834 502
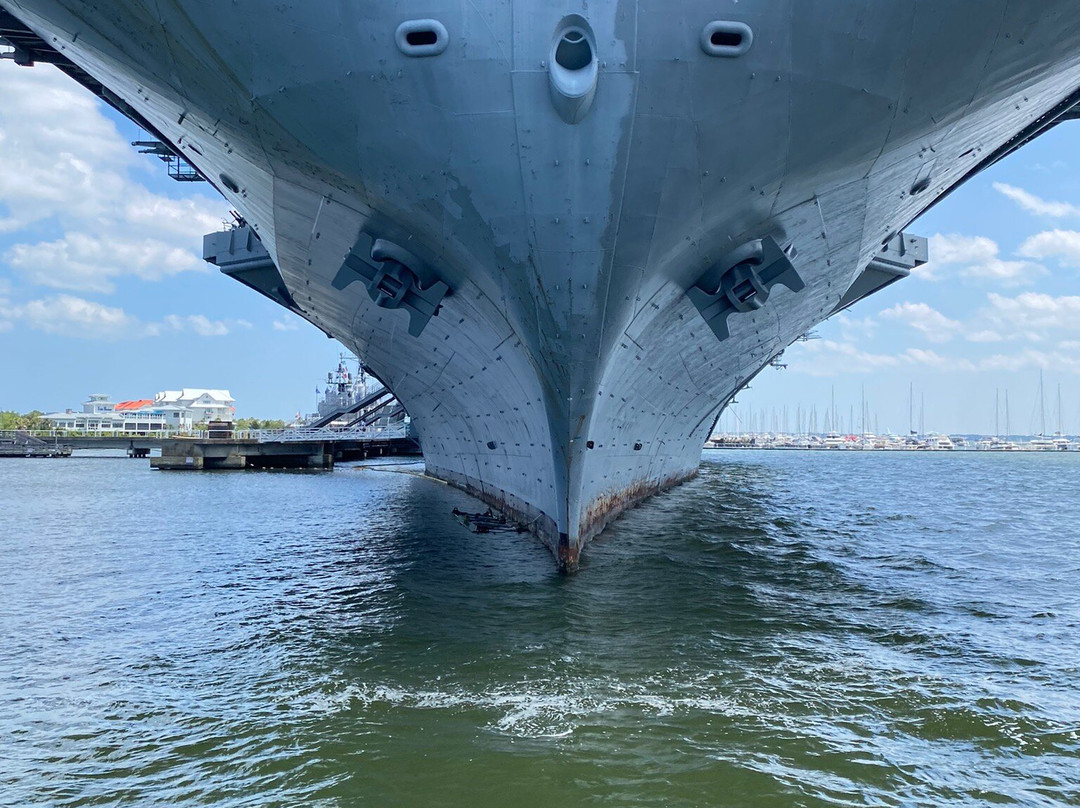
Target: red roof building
131 406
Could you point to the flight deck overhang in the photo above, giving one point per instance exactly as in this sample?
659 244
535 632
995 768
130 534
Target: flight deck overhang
240 255
897 258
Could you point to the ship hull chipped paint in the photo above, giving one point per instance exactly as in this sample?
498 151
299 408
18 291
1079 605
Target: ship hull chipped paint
571 197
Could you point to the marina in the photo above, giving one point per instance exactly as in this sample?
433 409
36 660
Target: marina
834 441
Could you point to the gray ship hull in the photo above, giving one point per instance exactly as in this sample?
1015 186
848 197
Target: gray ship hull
572 219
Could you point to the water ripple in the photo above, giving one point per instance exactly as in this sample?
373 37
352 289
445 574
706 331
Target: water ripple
787 629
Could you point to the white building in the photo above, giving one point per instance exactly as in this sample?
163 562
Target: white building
97 403
205 405
168 412
135 420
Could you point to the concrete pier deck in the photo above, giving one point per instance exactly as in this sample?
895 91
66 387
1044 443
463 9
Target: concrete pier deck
197 454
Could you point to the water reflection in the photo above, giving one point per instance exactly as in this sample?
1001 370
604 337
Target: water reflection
785 629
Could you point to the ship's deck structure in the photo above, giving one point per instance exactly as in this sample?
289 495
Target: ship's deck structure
565 234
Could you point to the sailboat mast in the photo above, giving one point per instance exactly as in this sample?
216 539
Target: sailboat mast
1061 425
1042 407
911 408
862 415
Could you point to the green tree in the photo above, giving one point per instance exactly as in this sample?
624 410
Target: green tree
9 419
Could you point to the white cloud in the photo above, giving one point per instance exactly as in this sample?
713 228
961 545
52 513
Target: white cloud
931 323
975 257
1009 273
985 335
286 323
63 162
84 263
935 361
1032 358
199 323
1063 245
827 358
1036 205
834 358
953 248
1033 314
71 316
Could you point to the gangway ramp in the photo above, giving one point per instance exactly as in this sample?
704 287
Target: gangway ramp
370 402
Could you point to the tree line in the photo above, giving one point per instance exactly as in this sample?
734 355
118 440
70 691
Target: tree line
35 420
9 419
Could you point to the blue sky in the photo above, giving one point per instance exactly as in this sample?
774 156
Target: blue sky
102 286
102 289
997 303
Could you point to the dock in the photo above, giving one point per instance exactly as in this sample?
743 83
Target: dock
16 443
285 448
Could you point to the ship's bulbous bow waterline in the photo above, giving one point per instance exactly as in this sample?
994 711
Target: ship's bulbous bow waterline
566 234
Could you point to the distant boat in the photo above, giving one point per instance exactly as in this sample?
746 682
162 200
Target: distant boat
941 443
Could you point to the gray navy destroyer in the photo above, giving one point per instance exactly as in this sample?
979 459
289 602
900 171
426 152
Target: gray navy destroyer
565 234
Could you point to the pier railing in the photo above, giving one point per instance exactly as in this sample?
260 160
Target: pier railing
306 434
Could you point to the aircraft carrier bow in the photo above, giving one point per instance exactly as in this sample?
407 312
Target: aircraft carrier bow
565 234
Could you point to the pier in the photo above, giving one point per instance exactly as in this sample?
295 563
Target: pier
310 448
16 443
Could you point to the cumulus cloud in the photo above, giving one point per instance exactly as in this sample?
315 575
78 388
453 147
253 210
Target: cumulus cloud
71 316
828 358
838 358
63 163
286 323
1057 361
200 324
1033 204
1062 245
953 248
976 258
984 335
1032 315
935 361
931 323
83 263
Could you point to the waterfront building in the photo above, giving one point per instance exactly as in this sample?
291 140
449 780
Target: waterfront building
98 403
169 411
204 405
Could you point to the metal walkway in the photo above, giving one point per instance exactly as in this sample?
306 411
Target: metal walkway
366 406
326 434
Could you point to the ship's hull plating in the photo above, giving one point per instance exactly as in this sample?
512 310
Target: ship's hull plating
568 375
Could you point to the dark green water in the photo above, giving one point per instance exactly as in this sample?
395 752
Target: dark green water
788 629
